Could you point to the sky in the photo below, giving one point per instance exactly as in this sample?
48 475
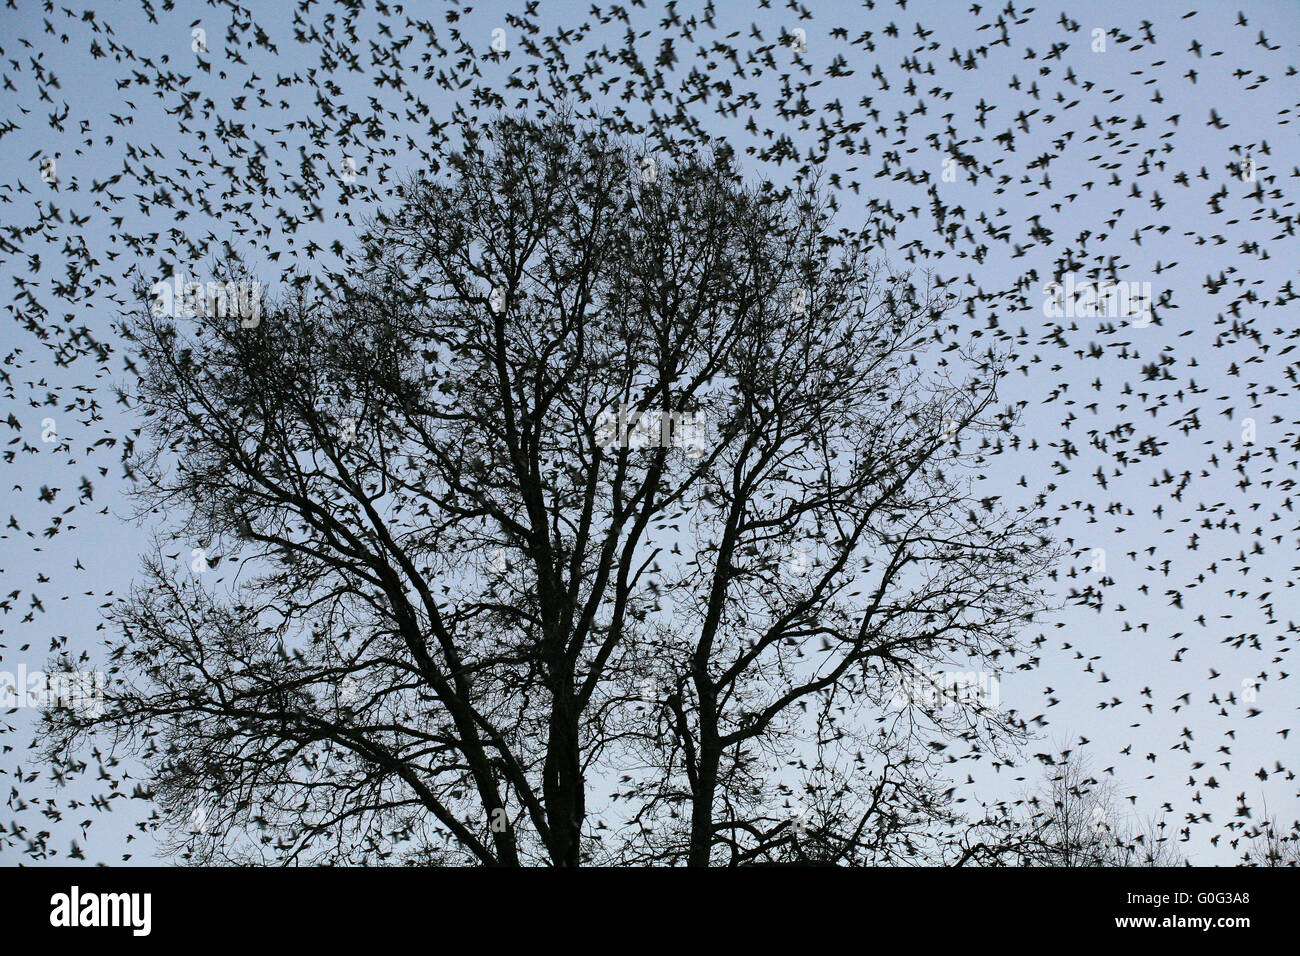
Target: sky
1131 434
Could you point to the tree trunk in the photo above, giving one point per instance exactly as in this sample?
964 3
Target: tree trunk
562 784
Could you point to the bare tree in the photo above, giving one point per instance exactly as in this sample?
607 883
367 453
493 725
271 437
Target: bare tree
596 469
1270 844
1078 820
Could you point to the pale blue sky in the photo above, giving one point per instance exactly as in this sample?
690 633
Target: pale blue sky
1099 369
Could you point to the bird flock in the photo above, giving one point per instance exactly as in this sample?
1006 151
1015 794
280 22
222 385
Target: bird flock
1025 157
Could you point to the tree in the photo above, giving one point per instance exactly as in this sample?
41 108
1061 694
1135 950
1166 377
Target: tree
1079 821
1271 845
594 465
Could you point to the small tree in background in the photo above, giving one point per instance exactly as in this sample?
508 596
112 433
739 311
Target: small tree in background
1269 844
1078 820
